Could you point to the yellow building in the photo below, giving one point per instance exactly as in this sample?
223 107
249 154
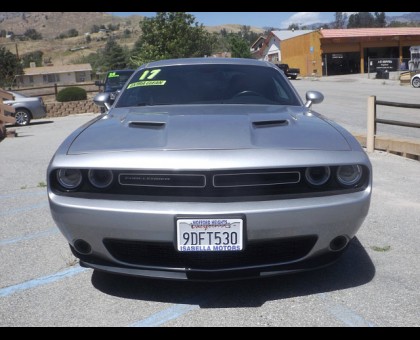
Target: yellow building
340 51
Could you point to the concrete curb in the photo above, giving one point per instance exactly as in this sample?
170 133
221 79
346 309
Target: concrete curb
402 147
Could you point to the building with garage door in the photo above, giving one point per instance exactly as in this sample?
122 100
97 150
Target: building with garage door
346 51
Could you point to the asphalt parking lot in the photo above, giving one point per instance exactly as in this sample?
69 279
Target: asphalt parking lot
375 283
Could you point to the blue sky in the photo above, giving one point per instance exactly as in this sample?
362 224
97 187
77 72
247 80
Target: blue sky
258 19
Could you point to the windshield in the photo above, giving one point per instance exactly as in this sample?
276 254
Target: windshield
207 84
115 80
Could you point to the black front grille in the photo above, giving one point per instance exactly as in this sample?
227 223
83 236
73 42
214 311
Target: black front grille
165 255
162 180
210 186
256 179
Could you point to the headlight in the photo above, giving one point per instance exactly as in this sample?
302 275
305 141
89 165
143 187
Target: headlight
349 175
100 179
318 175
69 178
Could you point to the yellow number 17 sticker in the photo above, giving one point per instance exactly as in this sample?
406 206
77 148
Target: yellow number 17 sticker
149 74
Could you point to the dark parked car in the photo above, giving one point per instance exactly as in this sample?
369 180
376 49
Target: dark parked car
209 169
27 108
114 82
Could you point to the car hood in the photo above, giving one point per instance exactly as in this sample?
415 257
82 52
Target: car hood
209 127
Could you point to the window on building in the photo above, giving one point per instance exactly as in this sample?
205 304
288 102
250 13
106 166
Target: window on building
51 78
80 77
31 79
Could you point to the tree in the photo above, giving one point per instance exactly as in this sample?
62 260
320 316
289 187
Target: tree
403 24
72 32
171 35
112 27
340 19
380 19
94 29
224 32
94 59
33 34
361 20
127 33
269 29
293 26
246 34
35 57
366 19
114 56
9 67
239 47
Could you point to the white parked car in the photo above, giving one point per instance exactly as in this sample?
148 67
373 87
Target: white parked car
415 80
27 108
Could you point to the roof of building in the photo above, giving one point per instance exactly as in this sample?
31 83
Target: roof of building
261 37
32 71
287 34
369 32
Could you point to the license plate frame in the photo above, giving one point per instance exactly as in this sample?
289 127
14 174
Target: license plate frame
202 234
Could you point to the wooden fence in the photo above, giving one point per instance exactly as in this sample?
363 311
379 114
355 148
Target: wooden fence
53 89
408 148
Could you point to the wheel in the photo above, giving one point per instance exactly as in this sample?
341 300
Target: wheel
22 116
416 82
293 77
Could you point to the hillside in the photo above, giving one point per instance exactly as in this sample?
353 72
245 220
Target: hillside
51 24
69 50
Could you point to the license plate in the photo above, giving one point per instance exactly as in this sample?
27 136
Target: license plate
213 234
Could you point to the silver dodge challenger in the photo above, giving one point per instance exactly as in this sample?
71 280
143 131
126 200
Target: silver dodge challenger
209 169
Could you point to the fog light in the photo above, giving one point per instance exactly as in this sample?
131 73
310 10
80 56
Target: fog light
82 247
339 243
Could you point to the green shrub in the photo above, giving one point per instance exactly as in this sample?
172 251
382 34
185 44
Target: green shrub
70 94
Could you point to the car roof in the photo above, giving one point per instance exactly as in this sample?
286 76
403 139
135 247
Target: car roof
119 71
202 61
16 94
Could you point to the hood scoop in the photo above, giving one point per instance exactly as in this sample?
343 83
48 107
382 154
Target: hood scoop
147 125
270 123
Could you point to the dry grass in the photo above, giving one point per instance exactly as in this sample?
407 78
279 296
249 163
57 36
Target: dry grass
51 24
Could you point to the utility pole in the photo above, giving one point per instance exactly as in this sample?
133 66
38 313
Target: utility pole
17 51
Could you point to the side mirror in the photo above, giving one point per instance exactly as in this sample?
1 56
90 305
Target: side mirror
313 97
103 100
99 83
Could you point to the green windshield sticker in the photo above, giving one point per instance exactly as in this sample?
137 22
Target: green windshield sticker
146 75
147 83
113 75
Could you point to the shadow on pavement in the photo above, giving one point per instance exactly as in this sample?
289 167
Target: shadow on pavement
353 269
41 122
32 123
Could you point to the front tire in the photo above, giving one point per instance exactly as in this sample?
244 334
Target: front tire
23 117
416 82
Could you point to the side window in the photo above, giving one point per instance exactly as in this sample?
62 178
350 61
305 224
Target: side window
281 93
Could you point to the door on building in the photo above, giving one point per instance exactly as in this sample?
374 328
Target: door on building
340 63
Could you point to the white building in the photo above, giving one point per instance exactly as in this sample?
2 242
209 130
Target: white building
63 75
271 48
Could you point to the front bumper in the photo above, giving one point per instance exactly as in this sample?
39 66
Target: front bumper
322 218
